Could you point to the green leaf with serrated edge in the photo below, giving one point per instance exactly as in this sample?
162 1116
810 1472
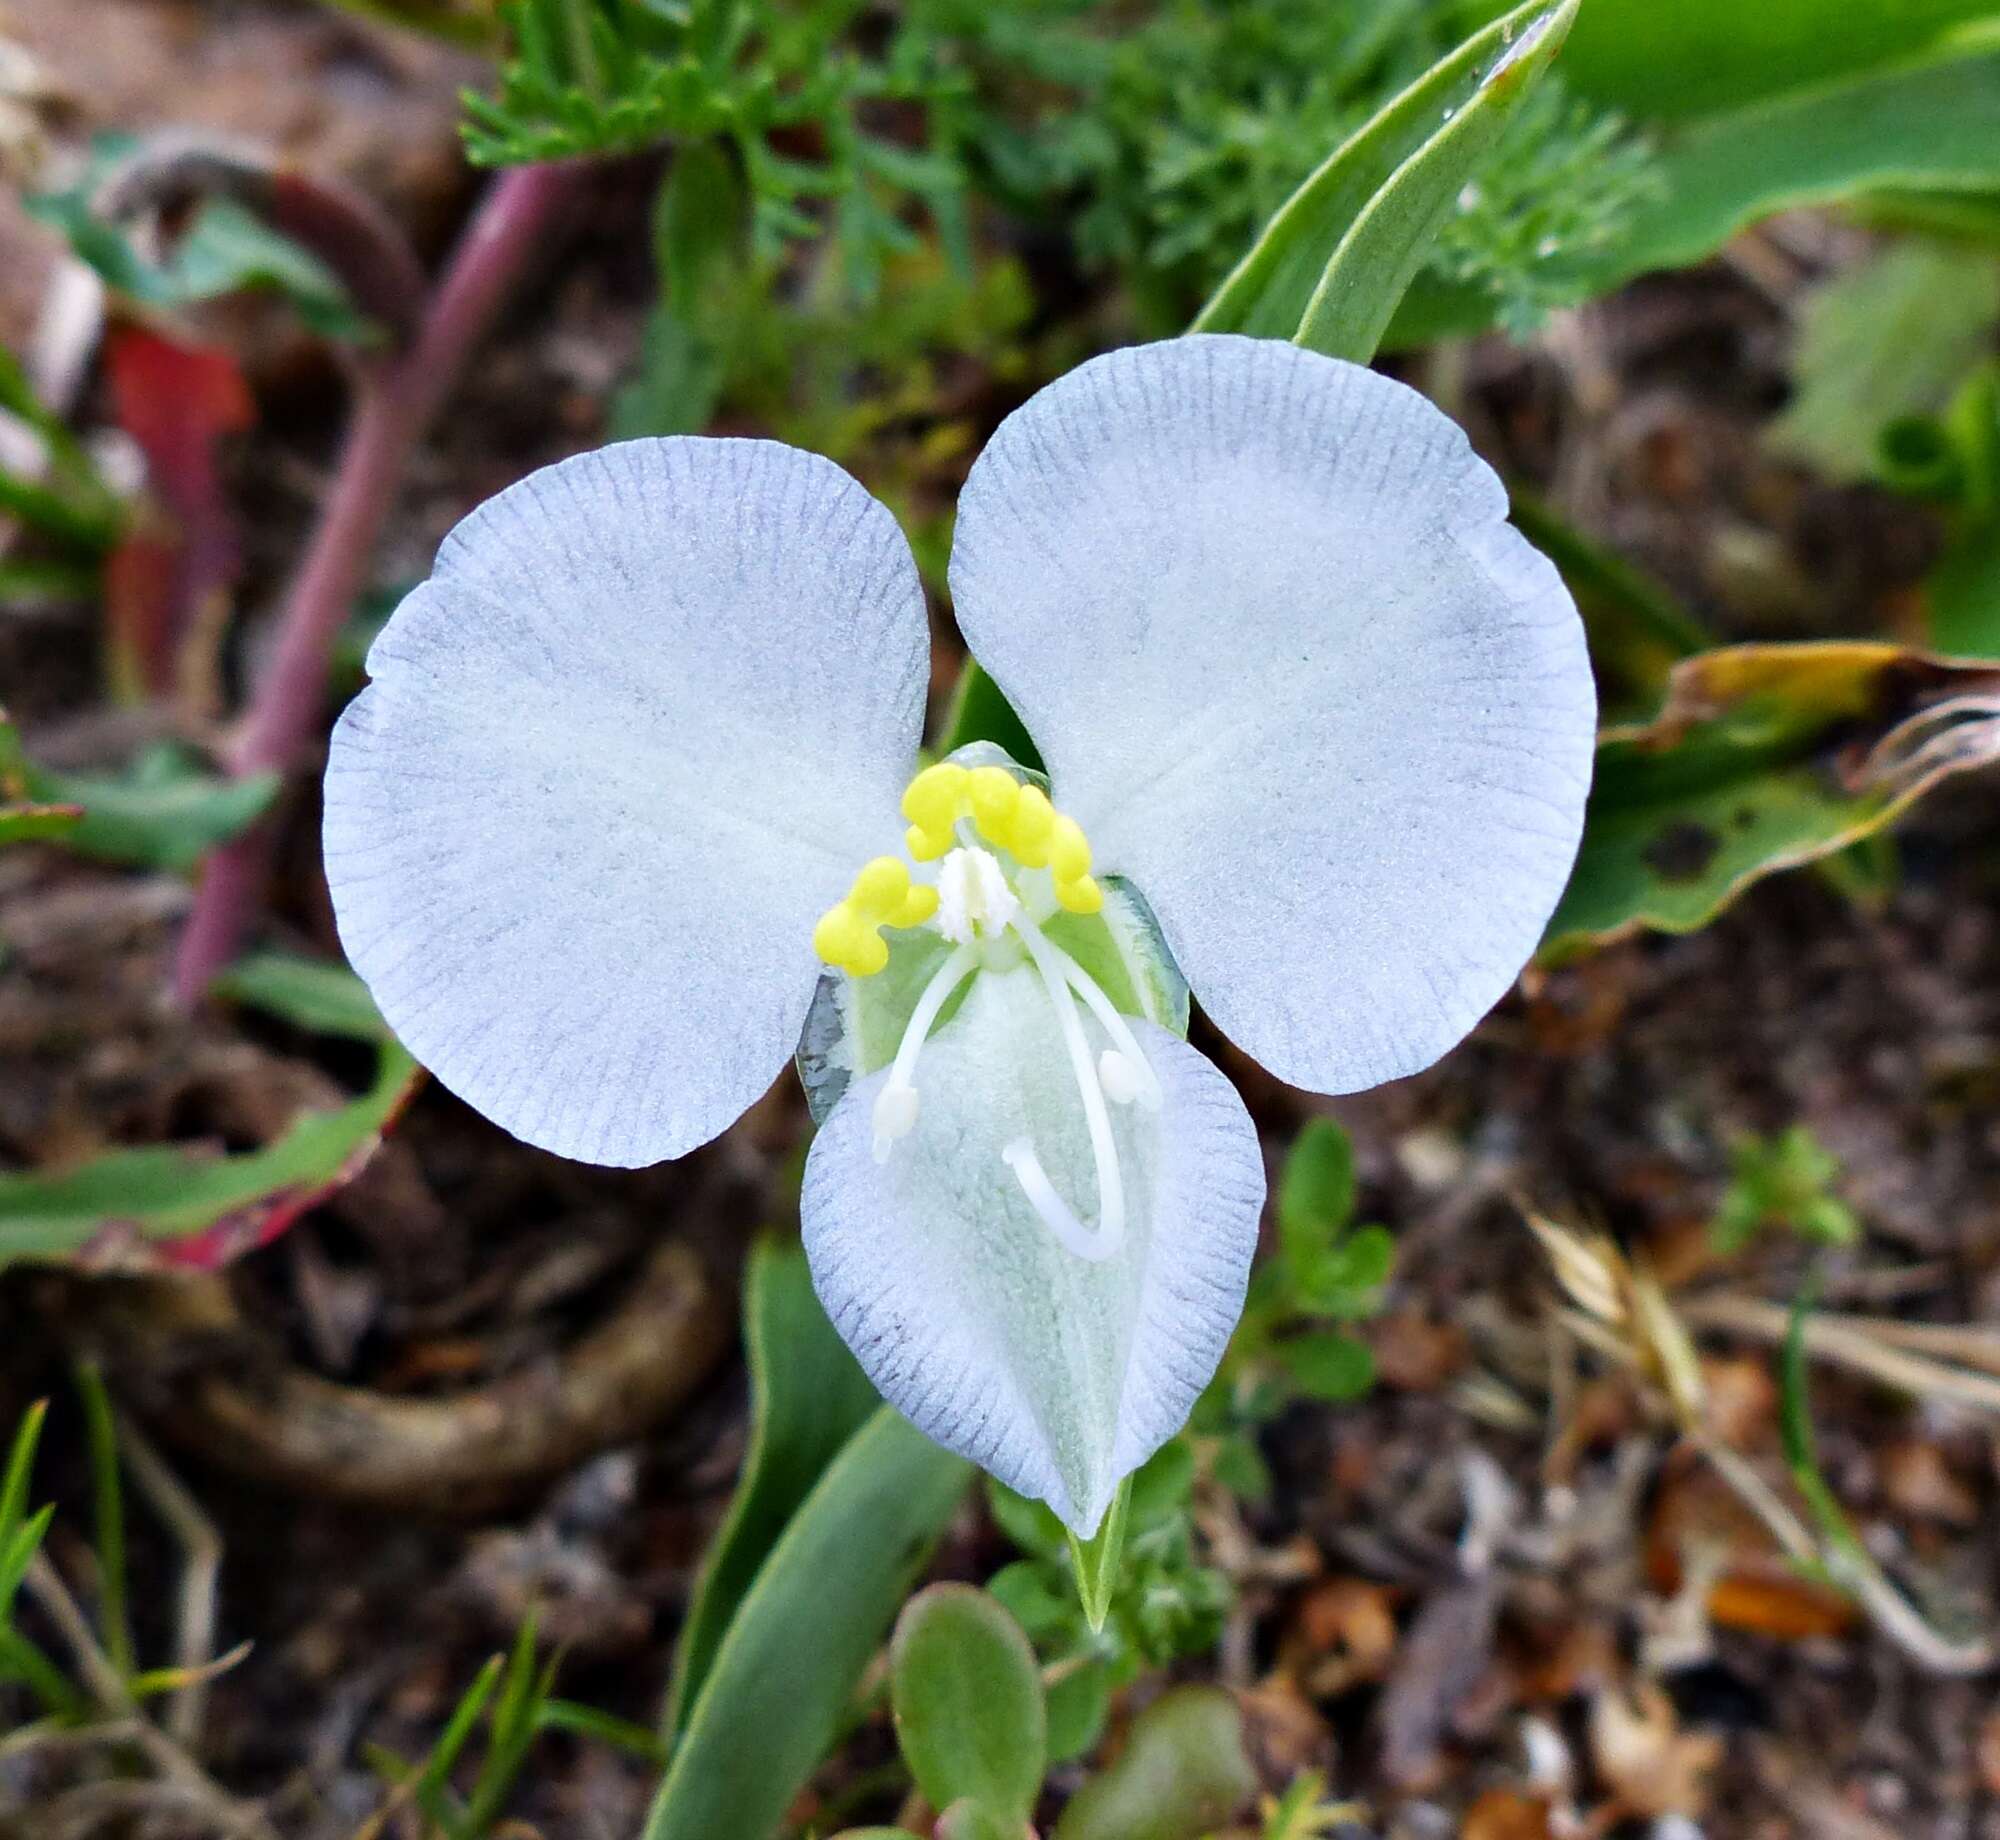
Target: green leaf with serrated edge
164 813
779 1686
1097 1559
311 993
1183 1773
1380 197
966 1694
808 1398
1762 758
127 1205
1315 1190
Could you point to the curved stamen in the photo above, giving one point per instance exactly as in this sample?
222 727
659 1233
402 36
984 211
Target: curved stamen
1094 1245
896 1103
1020 1155
1145 1087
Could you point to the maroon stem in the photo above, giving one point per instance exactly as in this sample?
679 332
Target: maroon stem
396 404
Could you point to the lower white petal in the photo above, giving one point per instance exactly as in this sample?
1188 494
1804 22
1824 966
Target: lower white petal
1058 1374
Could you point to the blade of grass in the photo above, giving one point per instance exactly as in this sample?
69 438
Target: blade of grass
22 1661
588 1722
108 1510
20 1463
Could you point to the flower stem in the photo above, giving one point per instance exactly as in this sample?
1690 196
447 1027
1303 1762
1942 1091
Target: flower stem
396 402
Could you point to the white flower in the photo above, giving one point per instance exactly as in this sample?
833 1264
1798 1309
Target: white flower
645 739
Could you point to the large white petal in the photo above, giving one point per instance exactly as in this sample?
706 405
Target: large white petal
649 714
1056 1374
1298 678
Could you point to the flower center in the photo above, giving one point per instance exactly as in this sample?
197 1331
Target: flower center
974 822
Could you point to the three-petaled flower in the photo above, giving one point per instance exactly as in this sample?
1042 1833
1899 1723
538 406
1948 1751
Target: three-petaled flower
631 812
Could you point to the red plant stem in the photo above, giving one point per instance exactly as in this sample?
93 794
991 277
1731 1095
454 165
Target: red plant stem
395 405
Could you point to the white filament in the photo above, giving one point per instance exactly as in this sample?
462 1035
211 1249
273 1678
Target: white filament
896 1104
1019 1156
1094 1245
1147 1088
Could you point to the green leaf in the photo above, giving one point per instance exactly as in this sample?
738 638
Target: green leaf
1763 757
1962 591
1334 262
225 249
23 818
1343 1280
165 812
1098 1558
808 1398
228 250
126 1205
1889 339
20 1467
1706 57
1931 127
312 994
1315 1190
1328 1366
967 1698
1032 1525
779 1686
969 1820
1079 1702
1183 1772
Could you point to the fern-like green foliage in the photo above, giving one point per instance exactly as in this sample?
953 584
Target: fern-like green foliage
803 92
1166 134
1159 135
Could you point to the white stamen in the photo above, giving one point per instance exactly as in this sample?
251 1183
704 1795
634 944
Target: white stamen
895 1117
974 900
1147 1087
1119 1078
896 1104
1019 1156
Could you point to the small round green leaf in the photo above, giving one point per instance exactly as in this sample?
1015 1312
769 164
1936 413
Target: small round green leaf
1183 1774
967 1697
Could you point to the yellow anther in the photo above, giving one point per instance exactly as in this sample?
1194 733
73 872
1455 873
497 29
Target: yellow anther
994 792
879 889
1069 850
1081 896
918 905
870 958
1034 825
926 846
841 935
933 800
